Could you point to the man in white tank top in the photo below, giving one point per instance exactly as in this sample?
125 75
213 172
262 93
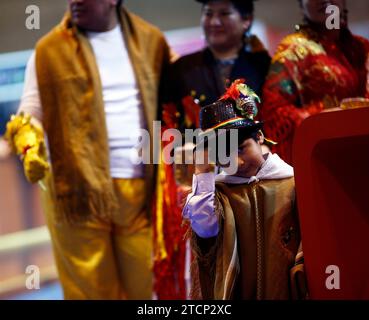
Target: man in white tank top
110 257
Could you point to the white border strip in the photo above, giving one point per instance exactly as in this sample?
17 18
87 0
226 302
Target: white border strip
24 240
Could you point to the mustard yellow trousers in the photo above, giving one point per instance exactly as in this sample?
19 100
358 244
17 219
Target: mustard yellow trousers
101 259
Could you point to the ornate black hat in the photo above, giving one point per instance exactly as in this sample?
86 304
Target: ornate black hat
236 109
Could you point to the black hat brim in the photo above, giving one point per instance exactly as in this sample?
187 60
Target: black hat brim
245 130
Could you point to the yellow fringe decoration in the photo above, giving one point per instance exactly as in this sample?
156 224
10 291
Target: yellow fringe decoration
27 140
161 252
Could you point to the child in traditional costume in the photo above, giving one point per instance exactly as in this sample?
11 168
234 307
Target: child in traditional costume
245 231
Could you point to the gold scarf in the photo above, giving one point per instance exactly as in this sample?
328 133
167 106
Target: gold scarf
73 111
74 120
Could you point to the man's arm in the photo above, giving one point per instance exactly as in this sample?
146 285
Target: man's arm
30 102
24 132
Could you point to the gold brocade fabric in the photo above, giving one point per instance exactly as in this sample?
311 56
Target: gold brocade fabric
257 244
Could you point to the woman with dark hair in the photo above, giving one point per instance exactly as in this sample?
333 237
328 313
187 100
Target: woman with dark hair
231 53
314 69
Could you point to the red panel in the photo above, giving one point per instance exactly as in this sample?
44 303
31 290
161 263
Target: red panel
331 158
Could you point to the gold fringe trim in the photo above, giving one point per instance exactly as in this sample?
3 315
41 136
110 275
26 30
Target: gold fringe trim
83 206
160 250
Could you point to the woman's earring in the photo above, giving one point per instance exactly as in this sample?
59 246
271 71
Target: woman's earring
246 40
344 19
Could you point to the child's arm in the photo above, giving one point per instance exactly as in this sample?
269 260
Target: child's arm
199 207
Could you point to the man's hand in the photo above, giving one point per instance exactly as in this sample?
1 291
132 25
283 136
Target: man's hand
27 141
35 167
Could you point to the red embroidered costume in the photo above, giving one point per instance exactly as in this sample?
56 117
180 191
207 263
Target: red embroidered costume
310 73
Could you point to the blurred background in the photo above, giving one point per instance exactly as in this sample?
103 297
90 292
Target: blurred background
24 239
